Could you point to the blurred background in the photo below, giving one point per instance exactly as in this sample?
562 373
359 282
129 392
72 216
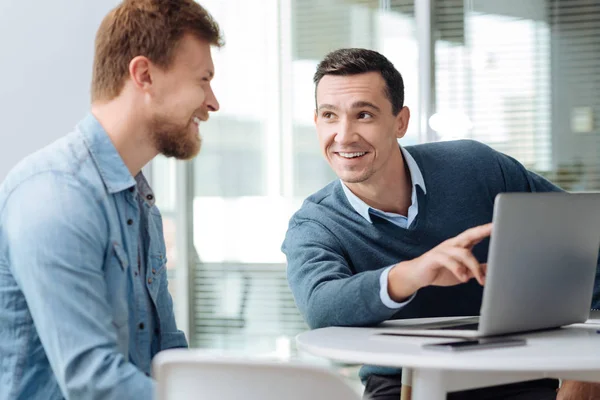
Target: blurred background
520 75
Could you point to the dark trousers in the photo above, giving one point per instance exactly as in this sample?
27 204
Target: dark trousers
387 387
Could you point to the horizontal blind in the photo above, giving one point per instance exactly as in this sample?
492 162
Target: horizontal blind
575 30
246 307
236 303
492 70
525 74
526 77
239 299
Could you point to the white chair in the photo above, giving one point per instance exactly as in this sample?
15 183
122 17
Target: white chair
183 374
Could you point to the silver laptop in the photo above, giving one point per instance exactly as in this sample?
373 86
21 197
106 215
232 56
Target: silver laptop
541 268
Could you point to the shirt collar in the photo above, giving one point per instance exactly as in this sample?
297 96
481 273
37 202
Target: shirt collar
415 176
114 172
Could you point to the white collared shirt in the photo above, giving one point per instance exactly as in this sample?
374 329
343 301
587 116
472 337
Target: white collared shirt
400 220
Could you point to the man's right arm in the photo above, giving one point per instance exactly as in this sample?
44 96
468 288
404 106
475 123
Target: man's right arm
325 289
57 237
327 292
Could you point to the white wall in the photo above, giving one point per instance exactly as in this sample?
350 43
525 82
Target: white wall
46 52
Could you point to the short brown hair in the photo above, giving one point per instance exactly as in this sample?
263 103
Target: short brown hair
356 61
150 28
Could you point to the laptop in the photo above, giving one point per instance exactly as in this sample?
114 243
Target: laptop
541 268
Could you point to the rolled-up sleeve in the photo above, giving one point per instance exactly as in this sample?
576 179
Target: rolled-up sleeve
57 235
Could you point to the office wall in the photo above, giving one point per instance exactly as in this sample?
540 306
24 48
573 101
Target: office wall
46 52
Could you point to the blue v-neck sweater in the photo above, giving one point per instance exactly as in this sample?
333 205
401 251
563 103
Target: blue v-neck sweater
335 256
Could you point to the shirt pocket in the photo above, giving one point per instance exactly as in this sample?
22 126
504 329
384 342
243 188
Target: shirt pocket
116 282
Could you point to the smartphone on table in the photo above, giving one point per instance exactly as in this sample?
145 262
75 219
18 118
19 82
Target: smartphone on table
476 344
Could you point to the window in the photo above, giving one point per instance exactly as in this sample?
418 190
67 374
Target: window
523 77
260 159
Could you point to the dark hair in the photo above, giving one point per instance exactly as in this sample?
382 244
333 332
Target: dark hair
359 61
151 28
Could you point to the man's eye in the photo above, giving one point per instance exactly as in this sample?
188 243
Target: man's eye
327 115
364 115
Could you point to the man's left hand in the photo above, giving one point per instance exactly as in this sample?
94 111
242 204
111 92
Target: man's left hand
575 390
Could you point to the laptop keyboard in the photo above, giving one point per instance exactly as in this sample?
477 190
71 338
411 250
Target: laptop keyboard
468 327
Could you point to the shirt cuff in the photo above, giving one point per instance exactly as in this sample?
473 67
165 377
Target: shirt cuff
385 296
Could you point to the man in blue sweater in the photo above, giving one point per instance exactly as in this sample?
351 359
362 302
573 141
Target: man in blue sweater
403 233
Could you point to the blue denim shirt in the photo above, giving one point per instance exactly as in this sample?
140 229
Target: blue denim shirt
76 302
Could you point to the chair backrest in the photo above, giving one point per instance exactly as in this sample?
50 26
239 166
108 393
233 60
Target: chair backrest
183 374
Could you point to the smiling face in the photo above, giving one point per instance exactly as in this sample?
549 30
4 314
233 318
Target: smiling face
182 99
357 129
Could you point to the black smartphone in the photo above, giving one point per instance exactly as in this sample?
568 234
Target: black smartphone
476 344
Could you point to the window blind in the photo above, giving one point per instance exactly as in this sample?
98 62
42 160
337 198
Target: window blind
239 296
526 77
523 77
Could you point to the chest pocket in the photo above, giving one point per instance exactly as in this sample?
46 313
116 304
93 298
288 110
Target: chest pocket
115 275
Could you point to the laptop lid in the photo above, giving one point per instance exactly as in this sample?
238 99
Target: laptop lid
542 261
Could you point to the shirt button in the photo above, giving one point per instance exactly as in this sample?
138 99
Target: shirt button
150 197
153 271
147 374
135 273
141 325
129 221
149 280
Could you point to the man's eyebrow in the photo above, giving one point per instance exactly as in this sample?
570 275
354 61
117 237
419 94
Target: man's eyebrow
327 106
361 104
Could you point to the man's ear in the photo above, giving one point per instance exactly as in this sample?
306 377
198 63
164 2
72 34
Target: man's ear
315 117
402 122
140 72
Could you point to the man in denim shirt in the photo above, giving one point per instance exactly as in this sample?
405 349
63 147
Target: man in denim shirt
84 304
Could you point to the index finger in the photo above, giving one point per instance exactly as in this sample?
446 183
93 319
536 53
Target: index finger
472 236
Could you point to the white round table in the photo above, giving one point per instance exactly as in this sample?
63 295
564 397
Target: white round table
569 353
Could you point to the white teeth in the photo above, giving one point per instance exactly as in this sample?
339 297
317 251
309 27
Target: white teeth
352 155
196 120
